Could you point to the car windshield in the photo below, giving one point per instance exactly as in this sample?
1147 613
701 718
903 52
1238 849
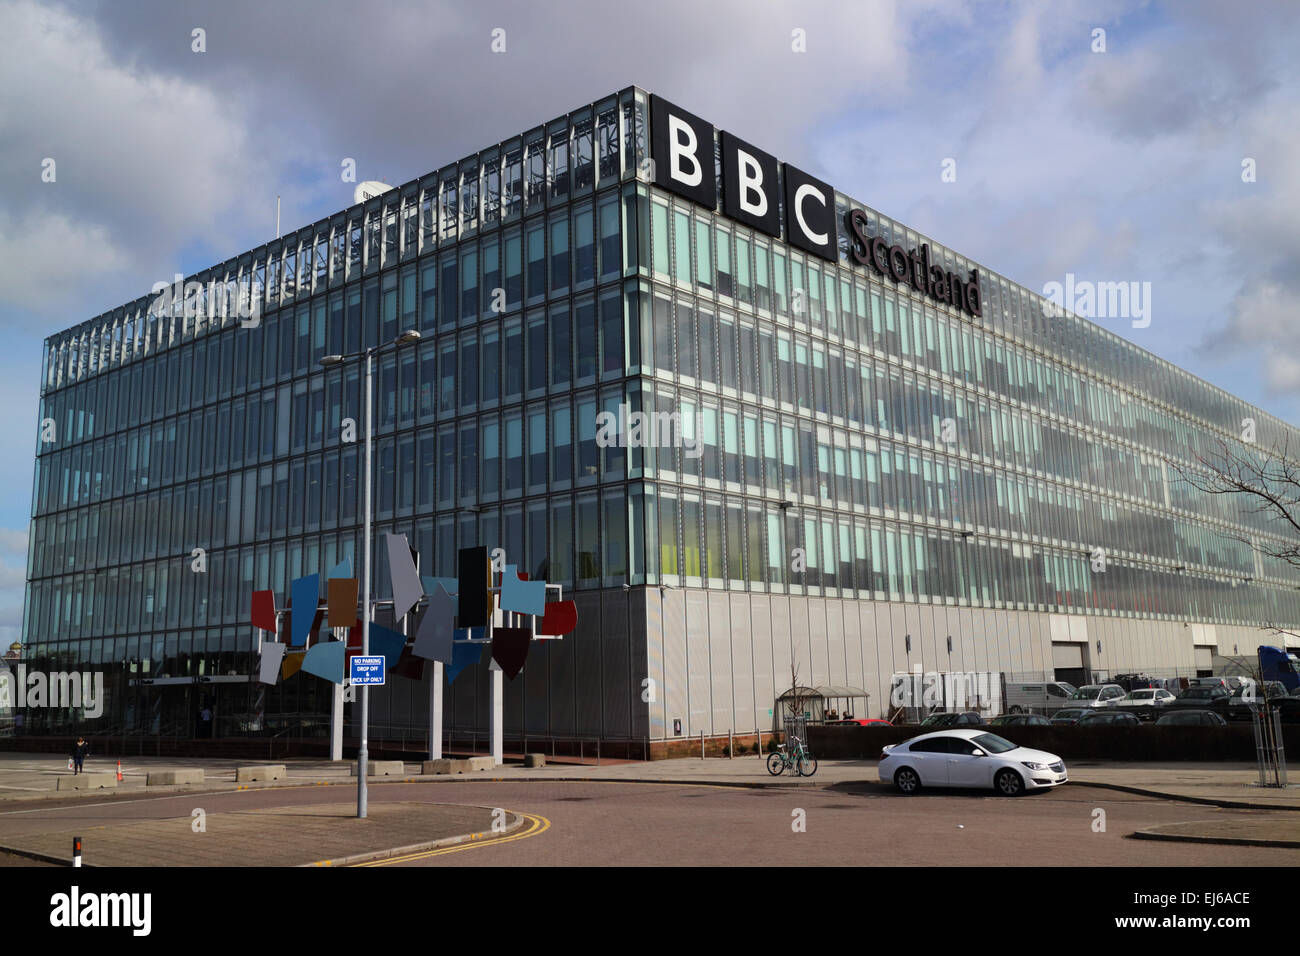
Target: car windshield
993 744
1086 693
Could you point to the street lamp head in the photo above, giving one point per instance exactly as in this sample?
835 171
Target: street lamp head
329 361
407 337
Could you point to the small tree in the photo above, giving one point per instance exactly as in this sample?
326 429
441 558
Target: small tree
795 698
1261 481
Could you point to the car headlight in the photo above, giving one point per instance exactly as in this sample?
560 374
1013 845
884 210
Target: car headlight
1034 766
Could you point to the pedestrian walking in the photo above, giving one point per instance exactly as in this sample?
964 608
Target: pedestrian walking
79 752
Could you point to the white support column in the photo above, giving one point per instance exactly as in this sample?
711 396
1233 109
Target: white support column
496 708
336 714
435 711
336 724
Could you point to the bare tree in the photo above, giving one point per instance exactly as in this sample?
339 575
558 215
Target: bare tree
1261 481
795 697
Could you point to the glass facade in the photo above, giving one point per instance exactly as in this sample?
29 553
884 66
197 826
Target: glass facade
841 436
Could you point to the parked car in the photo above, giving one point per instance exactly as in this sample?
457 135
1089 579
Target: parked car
1070 715
966 719
1289 707
1096 695
1132 682
1190 718
1241 708
969 758
1145 702
862 721
1227 683
1110 718
1020 720
1044 697
1211 697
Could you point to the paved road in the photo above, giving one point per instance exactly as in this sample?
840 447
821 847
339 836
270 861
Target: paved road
623 824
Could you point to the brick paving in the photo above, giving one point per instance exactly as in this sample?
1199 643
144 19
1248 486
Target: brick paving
280 836
1271 829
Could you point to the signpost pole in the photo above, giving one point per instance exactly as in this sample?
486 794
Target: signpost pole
363 754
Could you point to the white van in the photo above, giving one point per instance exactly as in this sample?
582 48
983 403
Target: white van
1037 697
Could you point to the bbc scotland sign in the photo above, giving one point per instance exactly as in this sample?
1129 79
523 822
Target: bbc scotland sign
681 146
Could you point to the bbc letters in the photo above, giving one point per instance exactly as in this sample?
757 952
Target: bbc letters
755 185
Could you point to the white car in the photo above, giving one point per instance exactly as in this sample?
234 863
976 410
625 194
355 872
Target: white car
969 758
1145 697
1096 695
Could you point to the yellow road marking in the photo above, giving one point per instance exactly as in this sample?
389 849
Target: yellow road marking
538 825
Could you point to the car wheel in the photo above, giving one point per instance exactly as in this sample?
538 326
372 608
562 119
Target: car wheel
907 781
1009 783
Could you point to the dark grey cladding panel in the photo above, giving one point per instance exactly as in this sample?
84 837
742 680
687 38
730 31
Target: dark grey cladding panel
587 686
617 688
560 674
513 704
536 678
637 661
588 689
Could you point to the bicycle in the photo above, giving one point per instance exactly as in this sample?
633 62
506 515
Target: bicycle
800 761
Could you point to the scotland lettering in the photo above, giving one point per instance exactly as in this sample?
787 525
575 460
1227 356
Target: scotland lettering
682 149
908 266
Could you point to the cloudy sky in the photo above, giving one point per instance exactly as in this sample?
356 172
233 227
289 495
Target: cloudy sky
1122 165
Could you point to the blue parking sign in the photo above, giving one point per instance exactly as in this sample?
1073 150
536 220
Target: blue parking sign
367 670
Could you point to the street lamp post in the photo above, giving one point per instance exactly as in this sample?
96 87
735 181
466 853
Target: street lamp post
363 753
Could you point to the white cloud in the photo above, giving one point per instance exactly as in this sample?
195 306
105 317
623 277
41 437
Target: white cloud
141 160
35 253
1283 373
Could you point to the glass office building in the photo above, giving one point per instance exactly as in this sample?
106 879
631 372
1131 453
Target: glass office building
859 473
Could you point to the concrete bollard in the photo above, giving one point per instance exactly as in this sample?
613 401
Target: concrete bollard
162 778
534 760
268 771
448 765
381 768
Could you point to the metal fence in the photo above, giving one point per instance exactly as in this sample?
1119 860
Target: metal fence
796 728
1270 754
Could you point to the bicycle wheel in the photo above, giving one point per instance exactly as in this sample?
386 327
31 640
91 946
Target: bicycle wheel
776 764
807 765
